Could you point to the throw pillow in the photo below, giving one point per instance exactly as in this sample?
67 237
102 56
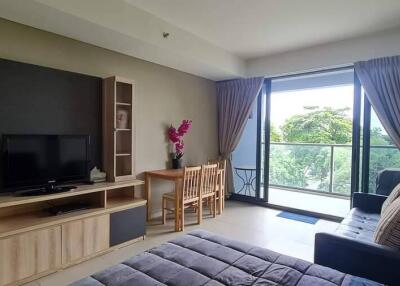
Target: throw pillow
393 196
388 229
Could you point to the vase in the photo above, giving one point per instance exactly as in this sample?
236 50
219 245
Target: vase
176 163
122 119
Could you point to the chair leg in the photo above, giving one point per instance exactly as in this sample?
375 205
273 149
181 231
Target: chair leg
200 213
182 217
223 198
219 202
210 205
164 213
214 204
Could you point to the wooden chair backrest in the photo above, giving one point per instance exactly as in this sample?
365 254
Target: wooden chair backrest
209 178
221 163
191 182
221 167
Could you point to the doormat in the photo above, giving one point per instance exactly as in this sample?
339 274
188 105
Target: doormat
298 217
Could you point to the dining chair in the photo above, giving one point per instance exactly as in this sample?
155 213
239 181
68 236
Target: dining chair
209 186
189 195
221 183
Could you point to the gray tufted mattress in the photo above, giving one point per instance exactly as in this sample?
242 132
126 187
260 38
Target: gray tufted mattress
204 258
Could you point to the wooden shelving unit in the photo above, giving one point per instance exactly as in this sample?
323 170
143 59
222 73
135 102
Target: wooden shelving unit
21 214
38 219
75 236
118 135
34 242
121 202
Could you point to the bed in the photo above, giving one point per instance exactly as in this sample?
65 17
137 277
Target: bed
204 258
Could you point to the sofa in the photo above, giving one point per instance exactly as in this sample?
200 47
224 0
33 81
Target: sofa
351 248
386 180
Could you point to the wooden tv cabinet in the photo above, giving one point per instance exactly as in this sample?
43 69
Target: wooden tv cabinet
34 243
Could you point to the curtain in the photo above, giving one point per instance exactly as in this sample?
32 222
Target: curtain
235 99
381 81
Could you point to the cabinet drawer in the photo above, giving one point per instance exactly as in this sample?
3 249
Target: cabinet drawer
30 253
127 225
85 237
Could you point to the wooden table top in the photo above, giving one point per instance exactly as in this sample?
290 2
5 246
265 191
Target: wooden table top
168 174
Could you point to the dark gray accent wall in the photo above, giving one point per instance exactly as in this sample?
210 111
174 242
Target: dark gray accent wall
39 100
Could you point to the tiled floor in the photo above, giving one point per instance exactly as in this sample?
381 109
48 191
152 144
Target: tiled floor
253 224
336 206
308 201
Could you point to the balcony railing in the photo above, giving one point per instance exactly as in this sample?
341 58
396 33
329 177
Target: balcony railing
322 168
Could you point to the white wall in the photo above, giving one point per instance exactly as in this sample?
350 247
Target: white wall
121 27
335 54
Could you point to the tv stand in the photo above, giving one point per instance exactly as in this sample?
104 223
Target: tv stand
92 220
48 190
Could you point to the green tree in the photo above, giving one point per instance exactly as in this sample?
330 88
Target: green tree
378 138
319 125
381 158
307 166
275 134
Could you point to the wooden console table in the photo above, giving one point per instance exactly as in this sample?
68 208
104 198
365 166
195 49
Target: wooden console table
175 175
34 243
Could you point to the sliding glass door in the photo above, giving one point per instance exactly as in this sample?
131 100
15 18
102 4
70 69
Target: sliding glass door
310 146
310 141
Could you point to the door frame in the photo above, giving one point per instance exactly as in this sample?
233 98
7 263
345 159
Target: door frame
265 95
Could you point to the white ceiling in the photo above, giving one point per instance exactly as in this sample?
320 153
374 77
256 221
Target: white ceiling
253 28
220 39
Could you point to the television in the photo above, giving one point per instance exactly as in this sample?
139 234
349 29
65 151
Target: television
40 161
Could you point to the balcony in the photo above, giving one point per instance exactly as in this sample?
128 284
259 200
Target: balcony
311 167
309 176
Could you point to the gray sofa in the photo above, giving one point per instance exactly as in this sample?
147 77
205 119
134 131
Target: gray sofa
351 247
204 258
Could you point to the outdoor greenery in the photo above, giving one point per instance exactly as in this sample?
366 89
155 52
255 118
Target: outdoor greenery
381 158
318 125
308 166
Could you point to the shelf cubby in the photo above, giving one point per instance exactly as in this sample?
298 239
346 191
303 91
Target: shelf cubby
123 141
124 92
128 110
33 214
118 134
123 166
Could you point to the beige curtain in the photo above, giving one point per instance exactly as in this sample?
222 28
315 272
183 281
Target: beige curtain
381 81
235 99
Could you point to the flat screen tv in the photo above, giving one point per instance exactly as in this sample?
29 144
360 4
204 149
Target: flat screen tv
34 161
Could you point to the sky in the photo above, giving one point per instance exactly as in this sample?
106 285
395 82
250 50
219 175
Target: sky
289 103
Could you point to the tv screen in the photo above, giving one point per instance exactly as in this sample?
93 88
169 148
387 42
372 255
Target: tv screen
35 160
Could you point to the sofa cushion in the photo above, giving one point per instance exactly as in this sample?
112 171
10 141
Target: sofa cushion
388 228
359 225
203 258
394 194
